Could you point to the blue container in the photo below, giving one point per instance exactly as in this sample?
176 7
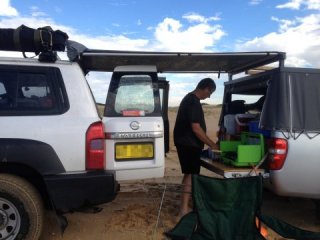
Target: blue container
254 127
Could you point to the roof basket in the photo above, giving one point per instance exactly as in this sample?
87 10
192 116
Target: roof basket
43 41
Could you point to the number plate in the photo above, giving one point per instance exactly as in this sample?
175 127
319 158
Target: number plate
137 151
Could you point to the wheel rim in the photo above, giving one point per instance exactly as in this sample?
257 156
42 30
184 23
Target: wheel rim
9 220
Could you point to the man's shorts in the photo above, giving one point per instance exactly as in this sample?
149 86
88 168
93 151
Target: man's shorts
189 158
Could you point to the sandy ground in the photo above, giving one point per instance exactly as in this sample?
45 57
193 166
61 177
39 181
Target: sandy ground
135 213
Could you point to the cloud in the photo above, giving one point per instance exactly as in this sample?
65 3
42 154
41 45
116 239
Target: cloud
299 38
298 4
6 9
255 2
35 12
34 22
115 24
99 83
112 42
171 35
118 3
194 18
182 83
284 24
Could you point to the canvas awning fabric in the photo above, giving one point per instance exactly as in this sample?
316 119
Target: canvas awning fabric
179 62
292 101
233 63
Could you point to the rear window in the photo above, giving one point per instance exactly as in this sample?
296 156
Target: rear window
247 98
31 91
133 95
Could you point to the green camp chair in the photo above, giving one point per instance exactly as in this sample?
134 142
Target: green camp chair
226 209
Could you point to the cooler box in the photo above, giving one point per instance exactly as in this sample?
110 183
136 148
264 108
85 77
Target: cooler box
242 122
237 123
254 127
246 152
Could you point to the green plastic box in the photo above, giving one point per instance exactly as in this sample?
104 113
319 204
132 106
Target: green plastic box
246 152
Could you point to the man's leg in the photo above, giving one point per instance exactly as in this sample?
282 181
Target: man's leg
185 197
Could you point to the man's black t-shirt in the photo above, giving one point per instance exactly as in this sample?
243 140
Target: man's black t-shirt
190 111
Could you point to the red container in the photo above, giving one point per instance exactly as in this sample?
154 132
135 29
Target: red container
242 122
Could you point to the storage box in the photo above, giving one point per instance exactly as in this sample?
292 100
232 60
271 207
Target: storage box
254 127
242 122
246 152
237 123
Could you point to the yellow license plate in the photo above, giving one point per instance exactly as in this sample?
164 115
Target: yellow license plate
127 151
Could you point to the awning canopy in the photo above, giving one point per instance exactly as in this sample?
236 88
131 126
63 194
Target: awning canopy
178 62
292 101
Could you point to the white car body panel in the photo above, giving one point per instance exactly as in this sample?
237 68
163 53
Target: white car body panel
70 144
135 169
302 160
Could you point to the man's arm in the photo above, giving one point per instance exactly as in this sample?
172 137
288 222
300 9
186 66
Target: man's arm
198 131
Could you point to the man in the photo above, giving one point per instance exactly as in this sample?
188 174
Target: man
190 136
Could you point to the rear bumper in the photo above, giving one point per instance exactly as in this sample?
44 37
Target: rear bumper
72 191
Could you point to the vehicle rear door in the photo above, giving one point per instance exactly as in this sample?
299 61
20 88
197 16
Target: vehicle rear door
163 85
134 127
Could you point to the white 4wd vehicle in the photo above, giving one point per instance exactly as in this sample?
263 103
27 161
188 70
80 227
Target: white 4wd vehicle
55 150
52 145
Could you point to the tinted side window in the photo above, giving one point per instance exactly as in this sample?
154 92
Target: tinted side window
31 91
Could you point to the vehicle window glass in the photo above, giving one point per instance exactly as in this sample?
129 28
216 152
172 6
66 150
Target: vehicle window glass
30 92
252 104
2 89
34 92
7 89
3 96
135 93
246 98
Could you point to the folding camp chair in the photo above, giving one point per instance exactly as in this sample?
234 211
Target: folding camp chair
226 209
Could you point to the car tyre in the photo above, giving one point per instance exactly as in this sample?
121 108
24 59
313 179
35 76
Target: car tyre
21 209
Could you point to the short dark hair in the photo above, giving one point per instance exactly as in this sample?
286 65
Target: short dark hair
207 82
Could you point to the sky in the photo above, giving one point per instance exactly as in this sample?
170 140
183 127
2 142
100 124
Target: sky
291 26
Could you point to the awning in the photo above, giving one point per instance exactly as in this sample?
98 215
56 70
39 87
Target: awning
292 101
178 62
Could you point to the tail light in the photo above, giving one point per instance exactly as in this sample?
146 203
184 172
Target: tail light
95 147
277 153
